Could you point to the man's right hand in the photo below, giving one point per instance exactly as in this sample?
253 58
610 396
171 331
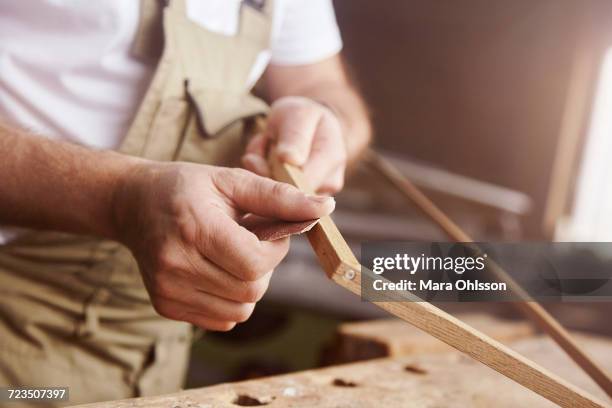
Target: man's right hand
198 264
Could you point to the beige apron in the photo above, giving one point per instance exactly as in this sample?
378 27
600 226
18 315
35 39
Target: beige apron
73 310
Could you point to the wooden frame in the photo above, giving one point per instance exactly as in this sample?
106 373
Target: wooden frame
342 267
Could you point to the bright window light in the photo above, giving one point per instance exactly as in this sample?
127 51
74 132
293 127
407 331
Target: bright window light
592 216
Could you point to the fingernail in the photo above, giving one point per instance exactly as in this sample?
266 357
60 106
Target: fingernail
329 201
290 154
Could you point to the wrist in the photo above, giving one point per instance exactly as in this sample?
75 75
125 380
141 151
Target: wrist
124 195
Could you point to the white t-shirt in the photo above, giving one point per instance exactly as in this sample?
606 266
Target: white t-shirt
67 72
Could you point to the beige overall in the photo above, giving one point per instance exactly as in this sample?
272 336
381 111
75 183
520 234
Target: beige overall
73 310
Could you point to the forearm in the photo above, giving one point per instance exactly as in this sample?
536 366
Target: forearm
53 185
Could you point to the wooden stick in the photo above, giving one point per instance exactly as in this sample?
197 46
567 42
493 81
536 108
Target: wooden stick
531 309
342 267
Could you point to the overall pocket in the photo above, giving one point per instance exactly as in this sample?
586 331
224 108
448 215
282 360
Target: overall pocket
217 129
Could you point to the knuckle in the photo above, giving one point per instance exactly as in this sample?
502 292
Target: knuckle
257 267
164 289
178 204
224 178
238 173
248 275
228 181
252 272
165 259
252 292
282 189
187 229
223 173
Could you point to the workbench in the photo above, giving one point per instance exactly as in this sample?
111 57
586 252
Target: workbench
420 372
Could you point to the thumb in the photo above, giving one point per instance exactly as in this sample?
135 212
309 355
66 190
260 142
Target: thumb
268 198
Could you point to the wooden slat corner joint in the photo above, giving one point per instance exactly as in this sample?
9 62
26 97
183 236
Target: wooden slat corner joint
325 234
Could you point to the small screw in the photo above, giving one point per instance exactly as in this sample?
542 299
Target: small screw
349 274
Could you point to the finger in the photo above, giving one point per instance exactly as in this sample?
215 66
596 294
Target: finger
250 292
294 133
209 324
182 296
333 183
181 312
258 145
237 250
256 164
254 158
269 198
328 153
217 308
227 286
204 275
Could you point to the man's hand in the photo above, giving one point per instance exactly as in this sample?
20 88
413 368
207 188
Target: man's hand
306 134
321 137
198 264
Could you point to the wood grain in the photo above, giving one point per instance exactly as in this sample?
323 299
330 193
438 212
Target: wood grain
342 267
330 247
421 380
425 380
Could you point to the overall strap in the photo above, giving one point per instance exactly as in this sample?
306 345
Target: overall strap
217 83
255 14
200 73
179 6
148 43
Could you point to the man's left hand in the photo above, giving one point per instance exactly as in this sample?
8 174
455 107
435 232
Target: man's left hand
307 134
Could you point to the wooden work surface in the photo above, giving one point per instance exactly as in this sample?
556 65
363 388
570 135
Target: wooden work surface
440 378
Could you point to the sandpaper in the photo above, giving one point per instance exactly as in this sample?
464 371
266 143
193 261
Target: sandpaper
267 229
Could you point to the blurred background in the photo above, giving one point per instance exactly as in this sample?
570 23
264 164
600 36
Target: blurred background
500 110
